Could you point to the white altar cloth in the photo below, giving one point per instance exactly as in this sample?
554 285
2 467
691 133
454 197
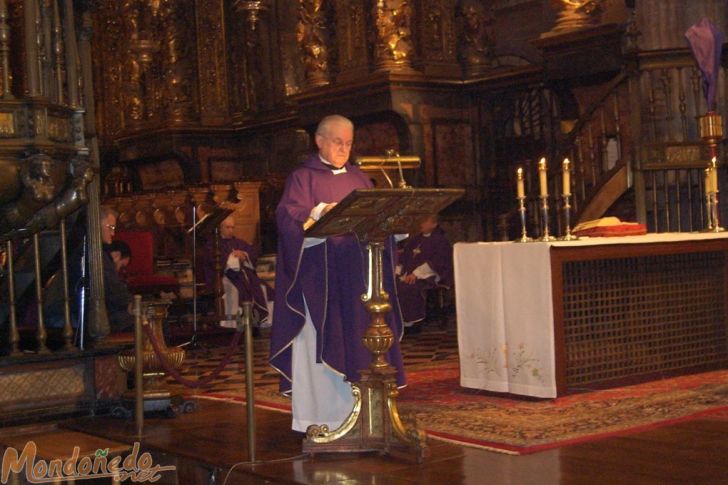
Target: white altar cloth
505 311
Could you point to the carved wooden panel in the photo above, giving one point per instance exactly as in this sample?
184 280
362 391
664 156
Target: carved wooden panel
351 24
212 61
453 147
437 37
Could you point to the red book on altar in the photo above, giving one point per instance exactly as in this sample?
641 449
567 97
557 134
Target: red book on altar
609 227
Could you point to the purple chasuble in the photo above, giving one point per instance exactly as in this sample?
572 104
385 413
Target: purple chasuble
332 276
436 251
246 280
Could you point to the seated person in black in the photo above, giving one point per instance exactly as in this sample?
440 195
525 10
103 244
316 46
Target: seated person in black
118 298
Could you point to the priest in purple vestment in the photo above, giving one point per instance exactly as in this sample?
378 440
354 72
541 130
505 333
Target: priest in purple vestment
239 280
319 321
425 262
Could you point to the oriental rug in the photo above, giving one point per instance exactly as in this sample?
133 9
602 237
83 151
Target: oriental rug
451 413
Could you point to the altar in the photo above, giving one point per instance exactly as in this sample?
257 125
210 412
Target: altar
544 319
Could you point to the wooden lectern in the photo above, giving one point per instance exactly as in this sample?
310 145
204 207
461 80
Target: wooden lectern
374 423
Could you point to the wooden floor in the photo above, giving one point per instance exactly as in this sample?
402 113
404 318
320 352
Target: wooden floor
209 445
213 439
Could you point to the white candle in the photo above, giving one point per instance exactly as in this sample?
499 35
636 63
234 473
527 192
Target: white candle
542 181
566 177
520 187
713 175
708 190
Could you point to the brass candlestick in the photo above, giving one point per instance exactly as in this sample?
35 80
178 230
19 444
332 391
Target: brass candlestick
708 199
567 219
708 212
522 211
715 217
545 216
711 197
711 131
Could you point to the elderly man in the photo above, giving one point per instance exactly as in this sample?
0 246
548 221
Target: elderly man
320 319
240 282
117 296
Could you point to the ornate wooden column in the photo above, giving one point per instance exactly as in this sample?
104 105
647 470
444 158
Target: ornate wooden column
393 39
212 62
313 41
436 36
475 40
350 24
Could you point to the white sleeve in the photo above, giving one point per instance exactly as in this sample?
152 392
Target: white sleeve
232 263
316 211
312 241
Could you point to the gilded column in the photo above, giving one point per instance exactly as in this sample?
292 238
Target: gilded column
351 39
312 38
212 62
393 42
436 37
178 52
476 42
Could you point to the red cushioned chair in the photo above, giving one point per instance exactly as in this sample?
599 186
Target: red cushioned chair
140 275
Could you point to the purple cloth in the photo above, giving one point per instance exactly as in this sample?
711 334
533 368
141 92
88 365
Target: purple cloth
436 251
706 42
332 276
246 280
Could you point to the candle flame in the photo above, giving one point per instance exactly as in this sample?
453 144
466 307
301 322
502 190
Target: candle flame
542 164
565 164
519 172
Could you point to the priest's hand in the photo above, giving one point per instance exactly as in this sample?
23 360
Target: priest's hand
327 208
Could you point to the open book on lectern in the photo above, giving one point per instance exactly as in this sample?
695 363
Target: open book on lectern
373 214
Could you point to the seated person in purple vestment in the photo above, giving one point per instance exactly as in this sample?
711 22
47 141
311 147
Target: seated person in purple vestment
240 282
424 263
320 318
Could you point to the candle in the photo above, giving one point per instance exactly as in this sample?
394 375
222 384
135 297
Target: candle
542 182
520 187
713 175
566 177
707 181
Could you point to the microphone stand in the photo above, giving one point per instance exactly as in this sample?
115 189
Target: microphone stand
194 343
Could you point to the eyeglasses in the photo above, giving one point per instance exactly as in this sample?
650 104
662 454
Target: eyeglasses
111 226
341 143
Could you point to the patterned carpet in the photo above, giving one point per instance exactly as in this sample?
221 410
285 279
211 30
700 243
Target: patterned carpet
476 418
436 343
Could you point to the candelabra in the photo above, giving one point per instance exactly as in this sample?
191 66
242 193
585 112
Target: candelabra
708 200
545 236
522 211
568 236
711 196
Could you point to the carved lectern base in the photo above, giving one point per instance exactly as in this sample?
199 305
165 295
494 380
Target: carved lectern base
373 425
